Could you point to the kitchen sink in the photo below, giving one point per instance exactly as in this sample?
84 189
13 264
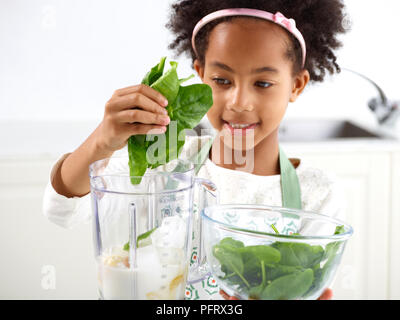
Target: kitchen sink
314 130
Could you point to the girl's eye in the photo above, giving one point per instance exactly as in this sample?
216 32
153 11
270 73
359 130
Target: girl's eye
263 84
221 81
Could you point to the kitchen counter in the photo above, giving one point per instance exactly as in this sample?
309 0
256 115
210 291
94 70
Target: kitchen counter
391 142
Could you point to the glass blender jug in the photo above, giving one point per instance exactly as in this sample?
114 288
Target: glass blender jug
143 232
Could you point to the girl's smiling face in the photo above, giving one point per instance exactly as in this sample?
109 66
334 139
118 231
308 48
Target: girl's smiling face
251 76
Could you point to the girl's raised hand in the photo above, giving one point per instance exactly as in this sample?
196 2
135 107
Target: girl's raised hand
133 110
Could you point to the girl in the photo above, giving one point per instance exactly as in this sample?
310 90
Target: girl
257 56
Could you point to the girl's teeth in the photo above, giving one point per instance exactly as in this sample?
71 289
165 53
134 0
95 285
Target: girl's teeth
239 126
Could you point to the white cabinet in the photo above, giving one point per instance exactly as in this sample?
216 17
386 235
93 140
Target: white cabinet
369 177
394 231
39 260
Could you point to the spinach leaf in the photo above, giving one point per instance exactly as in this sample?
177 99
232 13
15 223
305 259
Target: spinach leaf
142 240
137 159
331 259
333 247
324 273
252 268
263 253
255 292
282 270
230 260
155 73
168 84
299 254
186 79
339 229
228 241
186 107
166 147
278 270
289 287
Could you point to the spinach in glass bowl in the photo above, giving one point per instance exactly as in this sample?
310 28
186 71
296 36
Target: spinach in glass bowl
271 266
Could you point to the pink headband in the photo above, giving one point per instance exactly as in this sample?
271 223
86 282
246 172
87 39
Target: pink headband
278 18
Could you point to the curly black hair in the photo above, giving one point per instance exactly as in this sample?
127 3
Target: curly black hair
320 22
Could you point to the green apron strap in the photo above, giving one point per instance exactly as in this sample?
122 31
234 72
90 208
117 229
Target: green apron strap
290 186
291 193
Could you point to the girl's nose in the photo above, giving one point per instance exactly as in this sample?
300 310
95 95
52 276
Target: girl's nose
239 100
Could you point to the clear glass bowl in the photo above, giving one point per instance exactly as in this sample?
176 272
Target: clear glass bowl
272 253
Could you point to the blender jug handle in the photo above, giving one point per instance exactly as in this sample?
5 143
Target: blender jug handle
207 196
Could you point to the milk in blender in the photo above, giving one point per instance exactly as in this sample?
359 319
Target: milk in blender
160 271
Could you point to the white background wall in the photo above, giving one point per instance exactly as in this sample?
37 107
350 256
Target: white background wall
62 59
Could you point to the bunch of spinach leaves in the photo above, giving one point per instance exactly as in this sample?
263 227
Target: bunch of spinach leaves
186 107
282 270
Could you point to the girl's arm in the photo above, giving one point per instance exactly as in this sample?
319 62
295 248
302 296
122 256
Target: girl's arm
133 110
72 177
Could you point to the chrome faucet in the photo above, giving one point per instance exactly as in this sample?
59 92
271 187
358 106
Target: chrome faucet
387 112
